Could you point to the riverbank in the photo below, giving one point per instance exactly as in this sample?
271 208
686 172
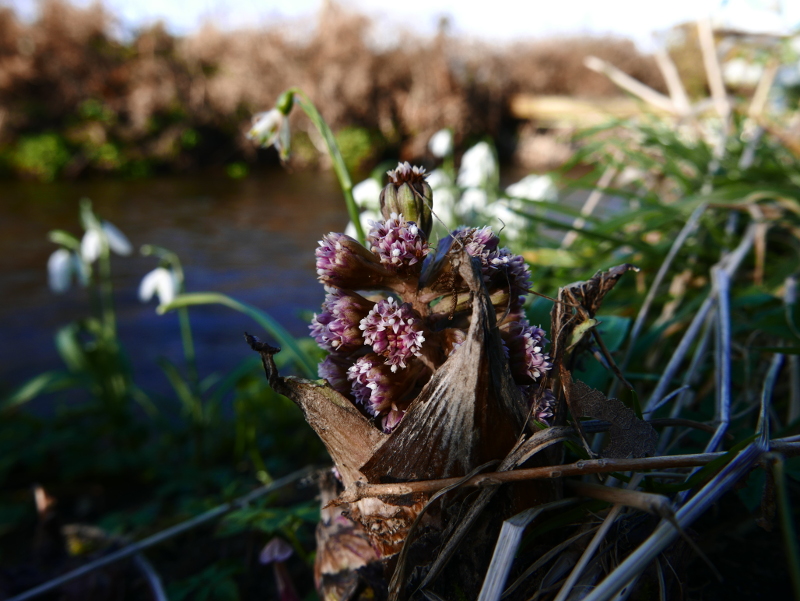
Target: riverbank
77 100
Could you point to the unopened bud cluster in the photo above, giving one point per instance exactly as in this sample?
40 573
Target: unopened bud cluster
396 309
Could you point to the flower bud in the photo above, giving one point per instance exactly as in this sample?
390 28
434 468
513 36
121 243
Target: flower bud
409 194
337 326
400 245
342 262
377 387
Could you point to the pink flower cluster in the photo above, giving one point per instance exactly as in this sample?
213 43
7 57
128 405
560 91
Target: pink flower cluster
385 347
393 331
399 244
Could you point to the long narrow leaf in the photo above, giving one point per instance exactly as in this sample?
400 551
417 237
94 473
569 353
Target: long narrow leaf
49 381
284 338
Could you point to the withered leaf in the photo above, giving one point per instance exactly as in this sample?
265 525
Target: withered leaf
349 436
593 291
468 413
578 304
629 436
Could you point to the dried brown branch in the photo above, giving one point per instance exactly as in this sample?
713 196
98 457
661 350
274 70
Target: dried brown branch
651 503
579 468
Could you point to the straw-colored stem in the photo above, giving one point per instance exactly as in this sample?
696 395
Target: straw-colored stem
589 206
688 228
713 71
629 84
677 92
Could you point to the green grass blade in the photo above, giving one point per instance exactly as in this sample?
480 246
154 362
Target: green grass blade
284 338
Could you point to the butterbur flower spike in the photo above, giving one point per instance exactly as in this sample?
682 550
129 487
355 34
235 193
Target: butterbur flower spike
431 368
337 326
343 263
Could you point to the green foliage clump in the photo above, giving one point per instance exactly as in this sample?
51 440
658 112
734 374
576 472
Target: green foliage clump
357 146
41 156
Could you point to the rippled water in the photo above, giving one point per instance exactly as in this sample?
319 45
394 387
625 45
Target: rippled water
253 239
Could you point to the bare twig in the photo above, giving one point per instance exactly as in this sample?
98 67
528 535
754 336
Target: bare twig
648 502
579 468
674 84
629 84
590 205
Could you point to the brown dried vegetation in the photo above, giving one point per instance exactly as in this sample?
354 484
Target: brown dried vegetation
157 87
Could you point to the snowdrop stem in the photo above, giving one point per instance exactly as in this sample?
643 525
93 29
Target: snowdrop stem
186 326
187 338
336 156
106 290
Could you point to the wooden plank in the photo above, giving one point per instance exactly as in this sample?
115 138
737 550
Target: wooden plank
567 111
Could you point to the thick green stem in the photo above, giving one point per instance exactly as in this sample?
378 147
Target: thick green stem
336 156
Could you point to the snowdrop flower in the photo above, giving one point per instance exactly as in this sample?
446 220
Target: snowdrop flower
117 241
442 187
441 144
160 282
473 202
61 266
92 243
478 166
534 187
367 194
271 128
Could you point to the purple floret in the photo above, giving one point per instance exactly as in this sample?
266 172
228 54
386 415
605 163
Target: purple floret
371 382
527 358
394 331
399 244
337 326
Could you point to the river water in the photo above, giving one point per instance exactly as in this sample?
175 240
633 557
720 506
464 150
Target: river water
253 239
